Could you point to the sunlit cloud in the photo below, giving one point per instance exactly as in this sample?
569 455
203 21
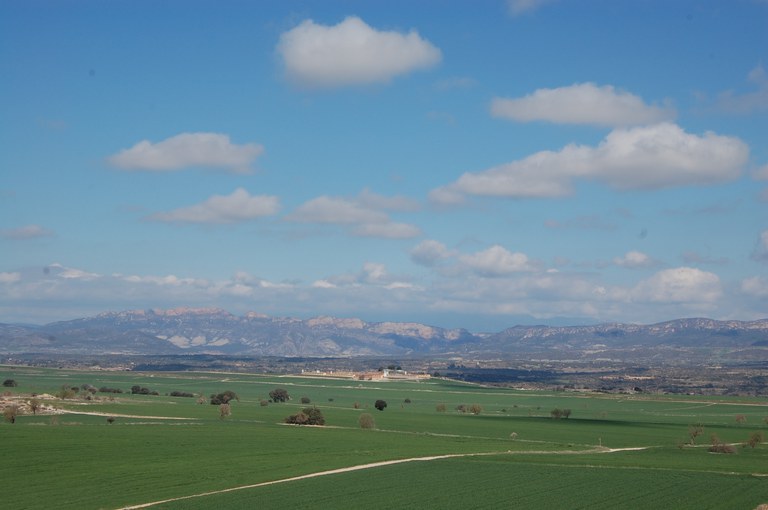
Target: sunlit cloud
351 53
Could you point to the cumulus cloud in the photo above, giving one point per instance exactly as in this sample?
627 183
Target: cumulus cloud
26 232
188 150
351 53
649 157
679 285
760 252
364 215
582 103
519 7
429 252
219 209
634 260
496 261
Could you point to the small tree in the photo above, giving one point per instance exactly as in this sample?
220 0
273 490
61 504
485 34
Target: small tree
225 410
366 421
305 400
695 431
263 403
279 395
224 397
34 405
307 416
10 413
556 413
755 439
475 409
741 419
111 420
440 408
566 413
10 383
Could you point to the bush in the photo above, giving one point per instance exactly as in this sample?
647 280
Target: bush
380 405
10 413
182 394
307 416
111 420
366 421
407 401
225 410
475 409
104 389
722 448
224 397
305 400
140 390
440 408
263 403
279 395
10 383
461 408
754 439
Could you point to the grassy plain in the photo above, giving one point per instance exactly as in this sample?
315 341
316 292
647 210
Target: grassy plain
614 450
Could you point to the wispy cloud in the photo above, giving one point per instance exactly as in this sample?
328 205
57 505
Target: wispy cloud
186 150
26 232
364 214
237 207
519 7
582 103
351 53
747 102
646 158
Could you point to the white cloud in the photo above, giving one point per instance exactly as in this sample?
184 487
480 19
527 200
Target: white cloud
188 150
761 174
679 285
237 207
10 277
761 247
26 232
364 214
582 103
389 230
496 261
634 260
755 286
429 252
351 53
518 7
650 157
70 273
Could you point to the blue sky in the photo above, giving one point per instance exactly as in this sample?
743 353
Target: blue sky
473 164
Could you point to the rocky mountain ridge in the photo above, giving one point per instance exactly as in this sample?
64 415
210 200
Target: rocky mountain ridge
216 331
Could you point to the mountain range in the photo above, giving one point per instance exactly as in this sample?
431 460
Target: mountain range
215 331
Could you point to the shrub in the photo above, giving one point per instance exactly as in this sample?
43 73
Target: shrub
34 405
111 420
741 419
461 408
182 394
566 413
263 403
366 421
475 409
380 405
440 408
10 383
407 401
307 416
140 390
279 395
305 400
755 439
224 410
356 405
556 413
105 389
722 448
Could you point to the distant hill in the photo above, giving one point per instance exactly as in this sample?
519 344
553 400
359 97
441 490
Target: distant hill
215 331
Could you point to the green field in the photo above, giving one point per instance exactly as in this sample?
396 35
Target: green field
613 451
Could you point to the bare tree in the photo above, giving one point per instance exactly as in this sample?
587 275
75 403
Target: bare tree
695 431
34 405
225 410
741 419
366 421
10 413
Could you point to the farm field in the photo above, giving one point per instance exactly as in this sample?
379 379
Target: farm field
612 450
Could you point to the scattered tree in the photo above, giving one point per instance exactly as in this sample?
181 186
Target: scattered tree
66 392
380 405
356 405
263 403
225 410
34 405
111 420
440 408
10 383
566 413
305 400
695 431
513 436
279 395
224 397
10 413
140 390
755 439
475 409
407 401
182 394
105 389
741 419
556 413
366 421
307 416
